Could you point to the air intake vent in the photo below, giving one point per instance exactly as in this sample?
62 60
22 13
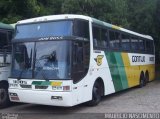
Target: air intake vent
41 87
25 86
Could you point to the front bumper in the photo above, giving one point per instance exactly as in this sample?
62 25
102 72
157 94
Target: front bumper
42 97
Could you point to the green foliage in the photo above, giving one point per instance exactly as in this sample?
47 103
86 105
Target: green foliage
138 15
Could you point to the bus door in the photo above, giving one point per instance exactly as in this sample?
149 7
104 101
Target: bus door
80 66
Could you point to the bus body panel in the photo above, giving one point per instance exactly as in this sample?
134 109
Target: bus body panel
125 72
32 91
119 72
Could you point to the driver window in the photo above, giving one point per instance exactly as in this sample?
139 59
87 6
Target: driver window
78 53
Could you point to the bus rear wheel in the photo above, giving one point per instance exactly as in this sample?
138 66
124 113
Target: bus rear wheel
142 81
4 98
147 77
96 94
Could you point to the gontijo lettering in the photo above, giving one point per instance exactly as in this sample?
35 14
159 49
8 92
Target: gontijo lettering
138 58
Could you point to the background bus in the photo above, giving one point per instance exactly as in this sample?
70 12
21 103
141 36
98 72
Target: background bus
65 60
6 34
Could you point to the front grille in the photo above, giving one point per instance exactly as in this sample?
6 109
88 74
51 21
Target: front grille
41 87
25 86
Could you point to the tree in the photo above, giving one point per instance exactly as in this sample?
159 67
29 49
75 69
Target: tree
51 7
142 16
12 11
112 11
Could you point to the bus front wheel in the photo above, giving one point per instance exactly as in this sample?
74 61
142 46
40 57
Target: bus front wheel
96 94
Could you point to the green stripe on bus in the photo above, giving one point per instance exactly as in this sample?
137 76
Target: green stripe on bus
117 70
41 83
102 23
121 69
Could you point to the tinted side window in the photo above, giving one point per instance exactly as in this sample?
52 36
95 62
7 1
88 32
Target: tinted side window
142 45
81 58
134 44
81 28
125 42
96 36
104 36
3 39
100 37
114 39
78 53
149 46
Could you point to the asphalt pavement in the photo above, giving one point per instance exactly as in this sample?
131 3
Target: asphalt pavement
134 100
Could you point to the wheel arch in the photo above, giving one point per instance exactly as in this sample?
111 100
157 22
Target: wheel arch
101 82
142 74
147 75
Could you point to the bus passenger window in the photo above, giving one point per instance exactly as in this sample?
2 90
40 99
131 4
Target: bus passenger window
134 44
125 42
114 39
81 28
149 46
96 36
104 36
3 39
141 45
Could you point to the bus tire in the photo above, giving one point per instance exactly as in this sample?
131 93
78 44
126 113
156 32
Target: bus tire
142 81
4 97
96 94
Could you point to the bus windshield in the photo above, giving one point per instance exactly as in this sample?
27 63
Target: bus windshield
55 28
41 60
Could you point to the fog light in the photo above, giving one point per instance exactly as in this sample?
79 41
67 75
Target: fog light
14 96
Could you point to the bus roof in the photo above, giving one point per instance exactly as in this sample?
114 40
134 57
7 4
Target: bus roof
6 26
72 16
120 28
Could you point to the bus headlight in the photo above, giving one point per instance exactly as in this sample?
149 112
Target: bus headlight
61 88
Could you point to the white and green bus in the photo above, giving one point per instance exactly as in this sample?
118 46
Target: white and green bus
65 60
6 33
